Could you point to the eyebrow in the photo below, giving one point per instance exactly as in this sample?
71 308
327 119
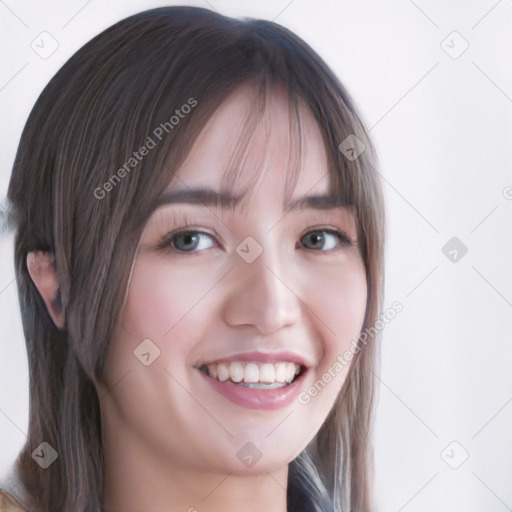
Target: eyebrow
211 198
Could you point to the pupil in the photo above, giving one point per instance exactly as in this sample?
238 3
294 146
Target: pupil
316 238
188 238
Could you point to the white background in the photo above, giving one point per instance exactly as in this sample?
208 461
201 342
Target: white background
443 128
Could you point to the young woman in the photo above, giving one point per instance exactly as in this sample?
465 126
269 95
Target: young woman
199 247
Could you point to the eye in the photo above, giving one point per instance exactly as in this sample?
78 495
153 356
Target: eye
318 238
185 241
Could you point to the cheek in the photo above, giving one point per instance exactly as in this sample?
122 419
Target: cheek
173 306
338 297
339 305
164 302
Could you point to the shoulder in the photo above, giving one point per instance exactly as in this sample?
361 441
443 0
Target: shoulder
12 493
9 503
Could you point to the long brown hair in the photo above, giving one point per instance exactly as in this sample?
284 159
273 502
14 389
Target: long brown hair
69 197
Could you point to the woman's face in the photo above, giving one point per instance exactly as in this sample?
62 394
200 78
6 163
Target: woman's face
255 291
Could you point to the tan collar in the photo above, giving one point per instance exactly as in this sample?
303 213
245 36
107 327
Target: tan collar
9 504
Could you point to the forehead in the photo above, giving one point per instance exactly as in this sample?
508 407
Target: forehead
260 148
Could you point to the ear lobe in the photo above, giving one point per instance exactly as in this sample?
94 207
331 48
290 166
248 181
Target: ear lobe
44 276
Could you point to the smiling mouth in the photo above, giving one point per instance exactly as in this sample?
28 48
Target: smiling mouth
255 375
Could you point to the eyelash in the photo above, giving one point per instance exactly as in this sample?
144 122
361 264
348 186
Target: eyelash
166 243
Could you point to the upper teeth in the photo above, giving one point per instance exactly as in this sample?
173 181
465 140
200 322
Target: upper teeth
253 372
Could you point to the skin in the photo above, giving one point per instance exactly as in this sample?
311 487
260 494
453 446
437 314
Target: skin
170 440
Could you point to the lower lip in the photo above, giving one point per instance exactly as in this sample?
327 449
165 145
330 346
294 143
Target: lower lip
257 398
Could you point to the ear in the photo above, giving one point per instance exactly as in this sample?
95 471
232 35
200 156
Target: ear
43 274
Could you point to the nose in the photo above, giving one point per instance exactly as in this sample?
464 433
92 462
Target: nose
263 294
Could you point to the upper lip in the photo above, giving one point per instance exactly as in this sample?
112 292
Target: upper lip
264 357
